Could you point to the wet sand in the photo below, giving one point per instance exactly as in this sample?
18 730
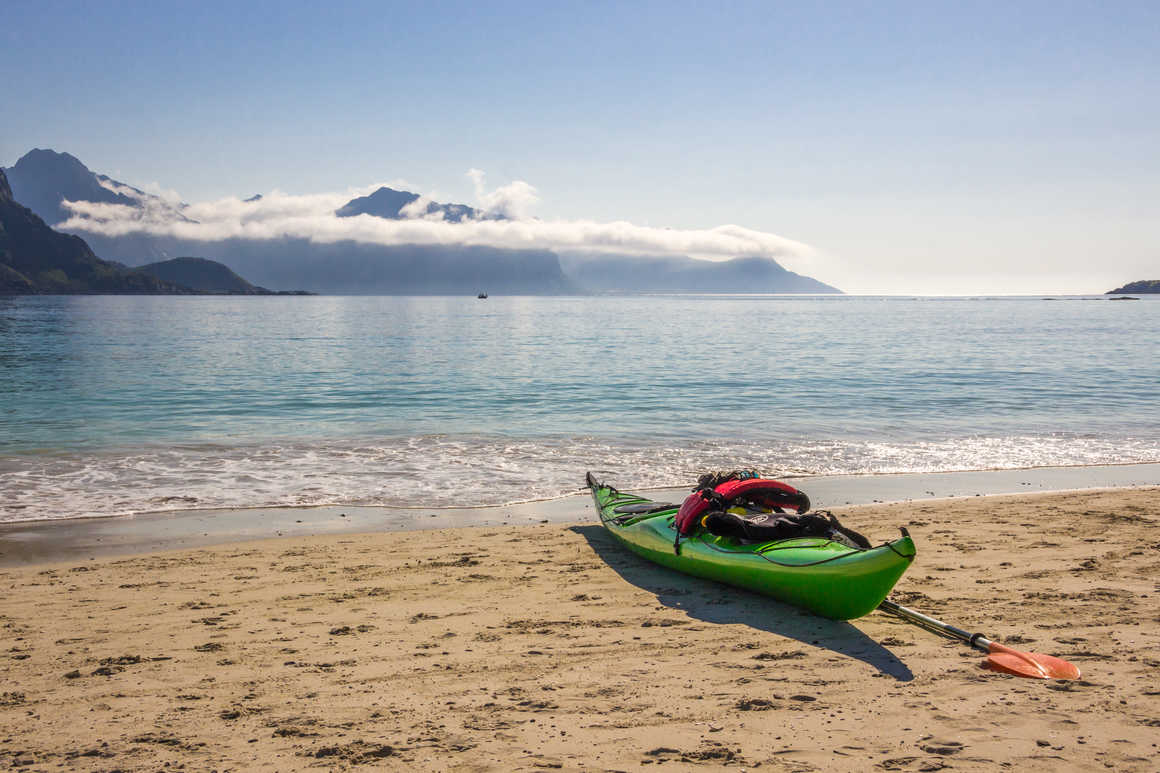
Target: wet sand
547 646
38 541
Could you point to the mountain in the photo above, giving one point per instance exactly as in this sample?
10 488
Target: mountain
389 203
46 178
682 274
1142 286
36 259
41 179
204 275
342 267
353 268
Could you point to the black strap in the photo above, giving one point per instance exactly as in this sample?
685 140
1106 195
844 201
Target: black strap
711 480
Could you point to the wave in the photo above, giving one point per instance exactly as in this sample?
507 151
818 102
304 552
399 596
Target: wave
446 471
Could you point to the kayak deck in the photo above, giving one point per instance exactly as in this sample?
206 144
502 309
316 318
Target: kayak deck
823 576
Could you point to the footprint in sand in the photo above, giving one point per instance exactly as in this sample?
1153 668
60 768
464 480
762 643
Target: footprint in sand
940 747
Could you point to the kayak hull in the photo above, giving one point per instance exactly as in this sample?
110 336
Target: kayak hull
825 577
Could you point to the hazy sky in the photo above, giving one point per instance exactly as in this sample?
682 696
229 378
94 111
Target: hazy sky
916 147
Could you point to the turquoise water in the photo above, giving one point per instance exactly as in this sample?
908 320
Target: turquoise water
131 404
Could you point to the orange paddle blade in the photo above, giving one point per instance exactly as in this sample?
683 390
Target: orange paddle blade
1028 664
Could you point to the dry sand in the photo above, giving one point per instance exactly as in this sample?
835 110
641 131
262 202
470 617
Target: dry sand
548 646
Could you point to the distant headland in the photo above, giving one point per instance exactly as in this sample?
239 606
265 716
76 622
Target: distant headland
208 276
1142 286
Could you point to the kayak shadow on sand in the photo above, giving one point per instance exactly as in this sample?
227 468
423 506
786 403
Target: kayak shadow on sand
713 602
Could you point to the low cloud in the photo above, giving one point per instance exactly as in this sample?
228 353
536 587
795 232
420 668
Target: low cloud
121 190
280 215
513 201
168 195
418 209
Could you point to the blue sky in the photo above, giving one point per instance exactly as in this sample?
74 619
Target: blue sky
918 147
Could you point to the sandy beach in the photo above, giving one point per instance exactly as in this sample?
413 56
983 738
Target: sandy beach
546 646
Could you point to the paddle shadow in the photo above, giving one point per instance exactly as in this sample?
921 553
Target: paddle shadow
713 602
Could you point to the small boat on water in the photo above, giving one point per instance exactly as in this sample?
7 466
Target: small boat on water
481 296
827 572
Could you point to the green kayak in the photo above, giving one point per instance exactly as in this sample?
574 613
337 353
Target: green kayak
822 575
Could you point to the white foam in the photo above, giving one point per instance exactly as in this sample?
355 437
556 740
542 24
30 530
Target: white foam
440 471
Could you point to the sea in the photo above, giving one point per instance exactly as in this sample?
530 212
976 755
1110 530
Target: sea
115 405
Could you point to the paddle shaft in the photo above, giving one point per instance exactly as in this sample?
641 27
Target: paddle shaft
976 640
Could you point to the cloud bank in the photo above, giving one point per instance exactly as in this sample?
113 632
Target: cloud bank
505 222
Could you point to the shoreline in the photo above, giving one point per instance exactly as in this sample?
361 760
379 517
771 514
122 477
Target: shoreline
549 646
25 543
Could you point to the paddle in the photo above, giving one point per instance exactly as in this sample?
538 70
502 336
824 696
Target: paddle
999 657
